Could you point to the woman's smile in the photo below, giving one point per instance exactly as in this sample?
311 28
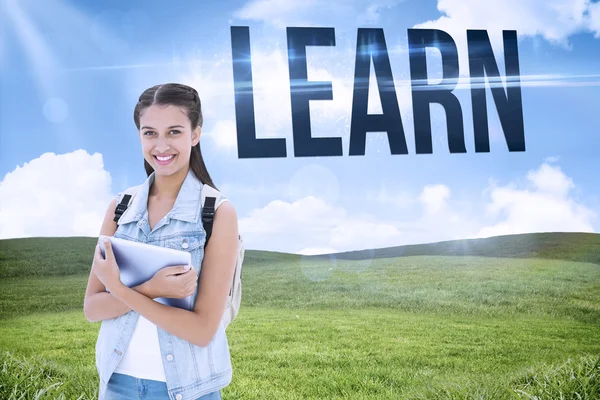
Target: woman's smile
164 160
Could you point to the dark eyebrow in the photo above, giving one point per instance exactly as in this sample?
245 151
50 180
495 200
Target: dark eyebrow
170 127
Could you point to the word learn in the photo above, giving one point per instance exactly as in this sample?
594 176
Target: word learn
371 48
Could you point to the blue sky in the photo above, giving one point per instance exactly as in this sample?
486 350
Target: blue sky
72 71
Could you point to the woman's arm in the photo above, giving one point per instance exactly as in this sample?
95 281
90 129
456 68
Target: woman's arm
103 305
200 325
98 304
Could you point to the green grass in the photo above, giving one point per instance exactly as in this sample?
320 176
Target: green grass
414 327
52 294
35 378
441 285
46 256
365 353
575 379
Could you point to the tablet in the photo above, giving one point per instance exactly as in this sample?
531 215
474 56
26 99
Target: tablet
138 262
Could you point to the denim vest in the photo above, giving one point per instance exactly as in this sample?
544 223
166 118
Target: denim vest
191 371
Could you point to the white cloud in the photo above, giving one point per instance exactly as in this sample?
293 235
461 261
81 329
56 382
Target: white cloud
434 197
550 180
554 20
282 13
310 212
594 18
544 205
310 224
224 134
276 12
55 195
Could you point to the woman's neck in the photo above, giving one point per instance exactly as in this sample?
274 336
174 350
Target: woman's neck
167 186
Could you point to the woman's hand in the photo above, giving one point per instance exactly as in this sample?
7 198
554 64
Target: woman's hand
174 282
106 269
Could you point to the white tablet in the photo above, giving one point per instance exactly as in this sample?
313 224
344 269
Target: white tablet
138 262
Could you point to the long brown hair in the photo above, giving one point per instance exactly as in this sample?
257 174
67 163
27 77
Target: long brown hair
187 98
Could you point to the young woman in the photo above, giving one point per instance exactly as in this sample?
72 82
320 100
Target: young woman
145 349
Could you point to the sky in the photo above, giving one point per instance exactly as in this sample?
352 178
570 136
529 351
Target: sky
71 73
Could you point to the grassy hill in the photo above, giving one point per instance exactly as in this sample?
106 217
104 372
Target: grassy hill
50 256
73 255
572 246
43 274
499 318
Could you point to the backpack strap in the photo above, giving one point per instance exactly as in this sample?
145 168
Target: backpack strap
121 207
208 214
126 199
209 198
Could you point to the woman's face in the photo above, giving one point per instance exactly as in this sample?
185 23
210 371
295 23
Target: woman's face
167 138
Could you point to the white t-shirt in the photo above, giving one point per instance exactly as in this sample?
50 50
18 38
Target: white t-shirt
142 358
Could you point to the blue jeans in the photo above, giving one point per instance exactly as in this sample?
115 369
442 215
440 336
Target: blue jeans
125 387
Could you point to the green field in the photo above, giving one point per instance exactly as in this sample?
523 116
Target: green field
500 318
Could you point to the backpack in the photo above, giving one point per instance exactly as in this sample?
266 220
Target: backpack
209 197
